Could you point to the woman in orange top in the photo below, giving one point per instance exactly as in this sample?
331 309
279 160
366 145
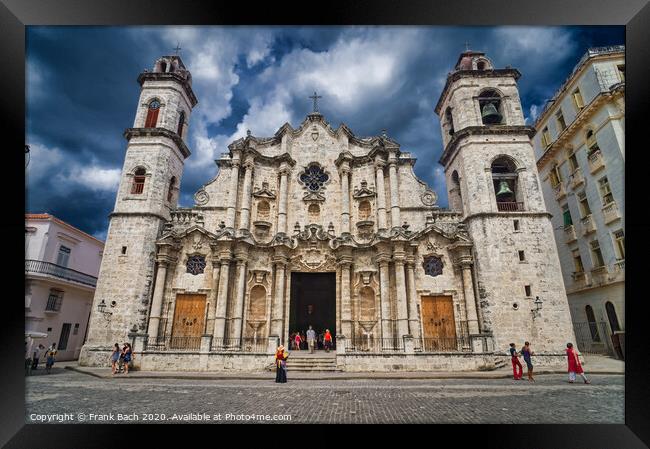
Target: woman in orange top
281 364
328 340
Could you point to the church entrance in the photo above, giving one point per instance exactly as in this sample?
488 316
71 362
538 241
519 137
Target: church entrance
313 303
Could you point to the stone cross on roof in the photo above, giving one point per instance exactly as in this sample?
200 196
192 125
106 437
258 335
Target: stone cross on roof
315 97
178 48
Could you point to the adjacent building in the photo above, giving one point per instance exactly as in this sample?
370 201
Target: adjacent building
61 267
317 226
580 151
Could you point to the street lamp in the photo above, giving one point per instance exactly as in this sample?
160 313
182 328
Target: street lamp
538 303
101 308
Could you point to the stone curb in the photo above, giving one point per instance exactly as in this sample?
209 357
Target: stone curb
362 376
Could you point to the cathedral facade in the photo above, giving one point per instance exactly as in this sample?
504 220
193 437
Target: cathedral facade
315 226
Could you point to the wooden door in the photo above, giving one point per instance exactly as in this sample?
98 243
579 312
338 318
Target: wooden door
438 323
189 321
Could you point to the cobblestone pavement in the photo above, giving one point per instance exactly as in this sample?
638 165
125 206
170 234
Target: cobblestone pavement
65 394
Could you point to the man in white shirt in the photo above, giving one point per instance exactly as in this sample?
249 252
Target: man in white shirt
311 339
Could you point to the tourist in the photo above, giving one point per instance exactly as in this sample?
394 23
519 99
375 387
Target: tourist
128 354
311 339
575 367
51 355
297 341
328 340
527 352
281 364
115 357
37 356
517 369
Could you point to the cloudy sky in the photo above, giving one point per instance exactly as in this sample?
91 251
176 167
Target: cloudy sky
82 93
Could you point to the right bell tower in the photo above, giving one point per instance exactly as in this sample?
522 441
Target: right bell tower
492 180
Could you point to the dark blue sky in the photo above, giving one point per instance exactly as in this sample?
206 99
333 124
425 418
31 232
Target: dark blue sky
82 93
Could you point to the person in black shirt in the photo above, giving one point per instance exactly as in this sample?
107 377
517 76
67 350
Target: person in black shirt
517 369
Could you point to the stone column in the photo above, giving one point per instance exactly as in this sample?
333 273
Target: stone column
246 200
277 316
345 198
238 309
394 192
470 301
216 266
381 193
384 294
400 287
346 297
232 194
222 301
414 322
157 301
282 205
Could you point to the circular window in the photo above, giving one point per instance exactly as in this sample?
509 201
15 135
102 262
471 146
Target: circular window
155 104
314 177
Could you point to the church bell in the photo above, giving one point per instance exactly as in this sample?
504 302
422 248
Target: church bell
504 189
489 114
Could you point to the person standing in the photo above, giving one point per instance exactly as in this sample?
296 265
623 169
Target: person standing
297 341
527 352
311 339
281 357
328 340
115 357
517 369
128 354
51 355
575 367
37 356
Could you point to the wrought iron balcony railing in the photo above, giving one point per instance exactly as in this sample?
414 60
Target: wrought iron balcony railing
58 271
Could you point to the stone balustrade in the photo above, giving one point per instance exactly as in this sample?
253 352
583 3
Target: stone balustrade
577 178
570 234
611 212
588 225
596 161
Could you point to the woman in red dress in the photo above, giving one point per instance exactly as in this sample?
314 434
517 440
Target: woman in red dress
297 341
574 364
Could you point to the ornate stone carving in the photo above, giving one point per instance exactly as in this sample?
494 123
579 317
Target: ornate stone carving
364 191
429 198
432 265
313 260
264 192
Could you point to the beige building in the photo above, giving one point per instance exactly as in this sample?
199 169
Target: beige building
61 267
317 226
580 150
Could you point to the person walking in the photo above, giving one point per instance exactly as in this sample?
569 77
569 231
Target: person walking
297 341
37 356
328 340
115 357
311 339
575 367
51 355
527 352
281 357
517 369
128 354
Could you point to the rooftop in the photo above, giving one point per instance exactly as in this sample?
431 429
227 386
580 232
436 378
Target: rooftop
61 222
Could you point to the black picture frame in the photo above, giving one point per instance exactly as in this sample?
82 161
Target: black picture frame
15 15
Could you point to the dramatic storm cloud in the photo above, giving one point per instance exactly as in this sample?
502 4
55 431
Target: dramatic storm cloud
82 93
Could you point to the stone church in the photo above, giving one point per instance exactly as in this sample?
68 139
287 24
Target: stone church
315 226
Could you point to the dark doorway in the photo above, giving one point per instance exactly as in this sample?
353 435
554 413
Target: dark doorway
313 303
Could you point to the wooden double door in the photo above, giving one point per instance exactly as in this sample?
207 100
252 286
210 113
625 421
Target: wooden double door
438 323
189 320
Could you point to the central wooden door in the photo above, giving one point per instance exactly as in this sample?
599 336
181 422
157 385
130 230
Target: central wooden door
189 321
438 323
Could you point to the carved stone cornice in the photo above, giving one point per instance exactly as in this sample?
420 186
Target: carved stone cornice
166 76
159 132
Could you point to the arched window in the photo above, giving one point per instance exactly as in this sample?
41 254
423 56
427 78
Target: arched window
152 114
364 210
592 144
314 212
450 121
455 194
170 192
611 316
490 105
263 210
504 178
593 326
480 65
181 123
138 181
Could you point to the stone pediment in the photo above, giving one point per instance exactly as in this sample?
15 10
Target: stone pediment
364 191
313 196
313 260
264 192
313 233
176 235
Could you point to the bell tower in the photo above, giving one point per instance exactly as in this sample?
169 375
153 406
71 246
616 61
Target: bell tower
492 180
148 190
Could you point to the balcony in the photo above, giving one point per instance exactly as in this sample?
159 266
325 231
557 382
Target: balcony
596 161
60 272
559 190
580 280
588 225
570 234
510 206
576 178
599 274
610 212
618 271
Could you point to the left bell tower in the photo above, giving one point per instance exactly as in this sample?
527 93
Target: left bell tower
149 188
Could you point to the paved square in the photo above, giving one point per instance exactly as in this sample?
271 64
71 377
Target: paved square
64 395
